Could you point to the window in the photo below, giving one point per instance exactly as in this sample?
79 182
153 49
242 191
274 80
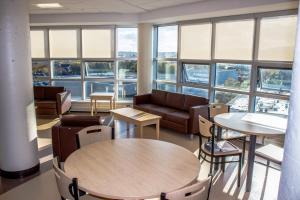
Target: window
196 41
195 91
94 86
233 76
127 42
37 39
127 69
234 40
37 81
166 70
166 87
271 105
74 86
96 43
66 69
276 81
99 69
126 90
167 42
40 73
237 102
277 38
196 73
63 43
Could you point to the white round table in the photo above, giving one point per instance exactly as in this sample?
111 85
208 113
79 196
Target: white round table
132 168
252 124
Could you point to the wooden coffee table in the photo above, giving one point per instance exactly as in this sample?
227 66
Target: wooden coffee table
138 118
101 96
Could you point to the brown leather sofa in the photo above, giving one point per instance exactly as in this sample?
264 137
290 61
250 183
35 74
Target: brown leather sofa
64 133
51 100
178 111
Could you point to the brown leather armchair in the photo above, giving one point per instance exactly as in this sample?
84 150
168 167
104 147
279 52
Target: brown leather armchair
51 100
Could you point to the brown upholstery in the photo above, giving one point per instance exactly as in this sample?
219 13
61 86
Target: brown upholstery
64 133
178 111
51 100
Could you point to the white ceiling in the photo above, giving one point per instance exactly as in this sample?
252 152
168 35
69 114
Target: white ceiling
106 6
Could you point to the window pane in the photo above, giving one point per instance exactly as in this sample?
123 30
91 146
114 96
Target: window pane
277 81
196 41
237 102
166 70
277 38
93 86
99 69
196 73
127 69
127 90
63 43
274 106
195 91
234 40
96 43
74 86
39 81
66 69
166 87
167 42
37 39
233 76
127 42
40 69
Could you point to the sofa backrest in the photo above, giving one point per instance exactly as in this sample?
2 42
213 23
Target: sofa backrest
47 92
175 100
159 97
191 101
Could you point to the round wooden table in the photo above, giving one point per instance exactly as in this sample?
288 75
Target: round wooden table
132 168
252 124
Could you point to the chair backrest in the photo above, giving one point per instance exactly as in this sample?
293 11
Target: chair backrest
205 127
92 134
197 191
218 108
67 187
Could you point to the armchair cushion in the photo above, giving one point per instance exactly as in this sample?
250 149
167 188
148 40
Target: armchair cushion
175 100
142 99
51 92
80 121
180 117
158 97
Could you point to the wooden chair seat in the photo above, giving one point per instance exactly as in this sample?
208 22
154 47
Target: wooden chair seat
235 152
270 152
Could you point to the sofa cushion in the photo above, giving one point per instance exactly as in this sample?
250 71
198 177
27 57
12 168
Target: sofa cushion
175 100
50 92
155 109
39 92
180 117
80 121
45 104
158 97
191 101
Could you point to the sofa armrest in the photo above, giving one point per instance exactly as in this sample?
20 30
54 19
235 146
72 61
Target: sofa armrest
141 99
55 139
63 100
194 117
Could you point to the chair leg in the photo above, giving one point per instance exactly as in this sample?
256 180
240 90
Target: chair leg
223 164
239 171
244 151
211 165
199 155
267 169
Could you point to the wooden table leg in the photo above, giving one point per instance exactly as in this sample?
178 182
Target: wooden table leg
92 110
114 103
95 106
157 130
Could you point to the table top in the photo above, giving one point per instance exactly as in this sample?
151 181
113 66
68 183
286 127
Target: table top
252 123
134 114
132 168
102 94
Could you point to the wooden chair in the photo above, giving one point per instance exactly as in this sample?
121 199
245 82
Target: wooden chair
92 134
270 153
197 191
68 187
219 108
221 149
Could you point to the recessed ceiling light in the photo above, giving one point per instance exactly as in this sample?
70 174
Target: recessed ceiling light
48 5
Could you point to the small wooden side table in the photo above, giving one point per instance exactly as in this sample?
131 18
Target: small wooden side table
102 96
